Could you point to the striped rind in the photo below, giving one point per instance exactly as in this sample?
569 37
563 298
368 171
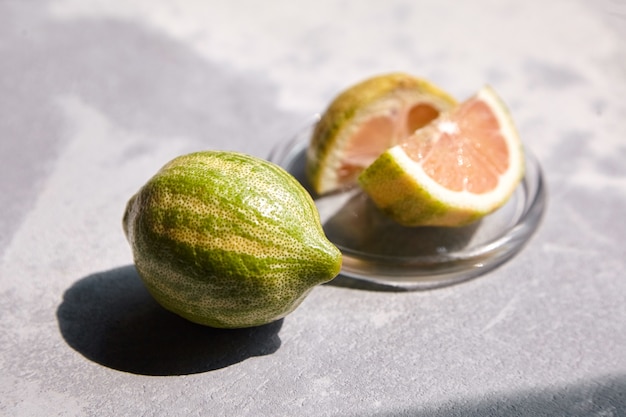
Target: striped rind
228 240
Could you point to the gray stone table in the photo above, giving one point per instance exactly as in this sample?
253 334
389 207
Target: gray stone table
96 95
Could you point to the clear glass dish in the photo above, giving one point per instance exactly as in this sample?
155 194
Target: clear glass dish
378 251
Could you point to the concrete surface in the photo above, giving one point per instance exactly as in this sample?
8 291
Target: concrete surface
95 96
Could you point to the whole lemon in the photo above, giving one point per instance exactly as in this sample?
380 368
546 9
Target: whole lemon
228 240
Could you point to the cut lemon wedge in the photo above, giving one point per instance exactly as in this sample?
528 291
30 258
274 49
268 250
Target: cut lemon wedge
460 167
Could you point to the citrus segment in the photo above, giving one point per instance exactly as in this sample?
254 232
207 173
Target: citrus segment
228 240
462 166
365 120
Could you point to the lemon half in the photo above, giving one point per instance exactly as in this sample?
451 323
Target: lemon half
366 119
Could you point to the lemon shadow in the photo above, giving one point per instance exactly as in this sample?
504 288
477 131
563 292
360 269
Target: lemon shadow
110 318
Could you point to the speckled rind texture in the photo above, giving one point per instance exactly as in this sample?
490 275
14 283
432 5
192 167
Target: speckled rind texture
228 240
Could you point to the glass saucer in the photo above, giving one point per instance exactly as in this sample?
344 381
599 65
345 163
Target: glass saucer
380 252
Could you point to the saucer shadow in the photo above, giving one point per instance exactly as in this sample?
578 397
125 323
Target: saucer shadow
361 226
110 318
